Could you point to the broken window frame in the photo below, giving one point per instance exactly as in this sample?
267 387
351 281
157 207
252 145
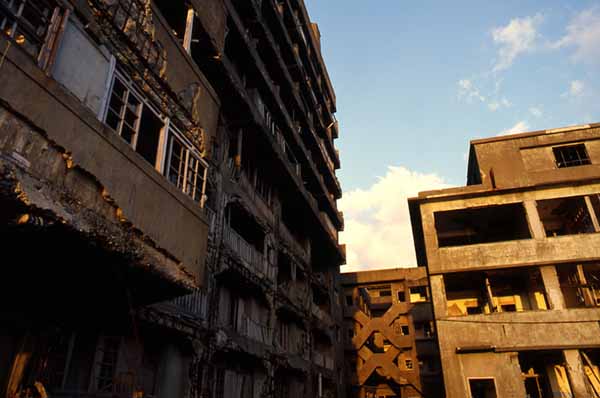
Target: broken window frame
130 91
102 382
580 283
191 164
571 155
194 186
582 221
19 29
489 295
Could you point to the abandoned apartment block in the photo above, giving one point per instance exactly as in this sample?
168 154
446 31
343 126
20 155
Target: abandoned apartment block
513 264
391 348
168 187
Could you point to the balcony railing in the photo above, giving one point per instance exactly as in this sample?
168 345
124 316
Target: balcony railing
254 330
195 303
251 258
323 360
301 251
330 227
321 315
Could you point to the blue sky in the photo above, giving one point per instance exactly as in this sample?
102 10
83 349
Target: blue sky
415 81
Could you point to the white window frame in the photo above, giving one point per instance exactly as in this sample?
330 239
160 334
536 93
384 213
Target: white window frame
132 90
190 152
164 153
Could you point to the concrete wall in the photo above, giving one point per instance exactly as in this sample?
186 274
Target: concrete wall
527 159
367 325
144 195
535 251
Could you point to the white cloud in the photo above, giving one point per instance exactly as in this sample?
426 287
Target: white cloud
497 104
576 89
536 111
514 39
519 127
377 223
583 36
467 90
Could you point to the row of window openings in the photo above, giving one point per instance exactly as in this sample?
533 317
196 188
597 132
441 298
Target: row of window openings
155 138
183 29
417 294
560 216
182 21
519 290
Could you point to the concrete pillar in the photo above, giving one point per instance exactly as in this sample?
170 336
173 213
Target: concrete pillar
552 287
535 224
438 296
576 374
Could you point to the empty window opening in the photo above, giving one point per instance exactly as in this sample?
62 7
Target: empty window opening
377 343
482 388
176 15
418 294
423 329
378 313
408 364
580 284
284 269
481 225
134 120
147 142
401 297
571 155
26 22
400 326
380 291
544 374
471 293
565 216
244 227
349 300
321 299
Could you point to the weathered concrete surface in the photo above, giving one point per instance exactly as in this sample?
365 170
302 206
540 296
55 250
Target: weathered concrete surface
395 327
143 195
39 176
519 169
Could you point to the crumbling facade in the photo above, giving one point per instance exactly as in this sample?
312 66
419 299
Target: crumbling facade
391 348
513 265
167 183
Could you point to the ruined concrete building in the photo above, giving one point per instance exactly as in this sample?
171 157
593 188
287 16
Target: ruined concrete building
391 349
167 201
513 260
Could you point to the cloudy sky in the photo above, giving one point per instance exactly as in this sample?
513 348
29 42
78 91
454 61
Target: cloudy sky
415 81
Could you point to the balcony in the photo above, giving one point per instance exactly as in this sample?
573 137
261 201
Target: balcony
195 304
255 330
323 360
321 315
249 256
260 199
291 239
333 232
